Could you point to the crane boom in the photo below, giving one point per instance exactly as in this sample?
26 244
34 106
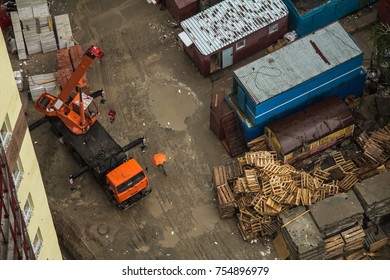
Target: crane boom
74 113
89 57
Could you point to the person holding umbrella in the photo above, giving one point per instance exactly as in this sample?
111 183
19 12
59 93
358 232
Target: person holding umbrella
159 160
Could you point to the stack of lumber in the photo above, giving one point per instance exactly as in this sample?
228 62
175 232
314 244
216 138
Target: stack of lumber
374 195
39 84
345 243
354 239
226 201
301 235
334 246
337 213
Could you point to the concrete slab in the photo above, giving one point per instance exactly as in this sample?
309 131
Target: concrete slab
335 209
374 189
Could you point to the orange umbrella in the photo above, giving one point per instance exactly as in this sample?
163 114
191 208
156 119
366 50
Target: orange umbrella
159 159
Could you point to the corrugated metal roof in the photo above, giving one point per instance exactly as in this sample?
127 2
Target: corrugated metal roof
231 20
297 62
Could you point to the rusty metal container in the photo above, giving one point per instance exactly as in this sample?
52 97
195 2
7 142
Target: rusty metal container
384 11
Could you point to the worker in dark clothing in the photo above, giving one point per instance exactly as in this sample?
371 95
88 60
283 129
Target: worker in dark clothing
112 115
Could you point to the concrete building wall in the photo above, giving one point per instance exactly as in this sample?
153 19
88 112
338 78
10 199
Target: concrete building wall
22 160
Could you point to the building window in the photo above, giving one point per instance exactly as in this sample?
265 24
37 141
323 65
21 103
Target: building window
240 45
5 133
37 244
17 174
28 209
273 28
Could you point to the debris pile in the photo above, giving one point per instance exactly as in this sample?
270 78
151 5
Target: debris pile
257 187
263 187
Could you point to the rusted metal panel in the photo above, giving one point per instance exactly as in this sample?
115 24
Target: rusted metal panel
18 134
311 124
230 21
384 11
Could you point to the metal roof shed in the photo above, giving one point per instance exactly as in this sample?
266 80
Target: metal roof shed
232 30
307 16
182 9
325 63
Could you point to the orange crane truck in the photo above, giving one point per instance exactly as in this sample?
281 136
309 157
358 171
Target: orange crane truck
91 145
122 177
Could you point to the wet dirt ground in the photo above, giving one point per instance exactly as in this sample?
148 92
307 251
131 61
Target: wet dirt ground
158 93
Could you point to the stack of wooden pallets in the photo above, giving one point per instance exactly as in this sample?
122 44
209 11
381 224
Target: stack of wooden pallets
226 201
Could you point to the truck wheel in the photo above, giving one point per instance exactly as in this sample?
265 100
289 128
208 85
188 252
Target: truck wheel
146 191
111 197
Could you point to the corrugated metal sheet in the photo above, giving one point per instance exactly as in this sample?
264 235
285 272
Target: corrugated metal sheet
312 124
231 20
298 62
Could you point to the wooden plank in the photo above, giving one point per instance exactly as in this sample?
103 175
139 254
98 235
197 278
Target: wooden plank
294 219
280 247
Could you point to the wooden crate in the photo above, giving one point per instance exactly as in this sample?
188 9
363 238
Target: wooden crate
219 176
334 246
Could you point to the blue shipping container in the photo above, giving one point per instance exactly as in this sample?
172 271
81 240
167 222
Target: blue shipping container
325 63
307 16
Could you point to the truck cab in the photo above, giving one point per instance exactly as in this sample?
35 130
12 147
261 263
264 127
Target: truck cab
126 181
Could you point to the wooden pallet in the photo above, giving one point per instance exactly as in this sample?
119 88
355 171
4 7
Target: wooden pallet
258 144
232 170
375 239
226 201
321 174
354 238
348 182
334 246
348 166
336 172
358 255
251 180
219 176
338 157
